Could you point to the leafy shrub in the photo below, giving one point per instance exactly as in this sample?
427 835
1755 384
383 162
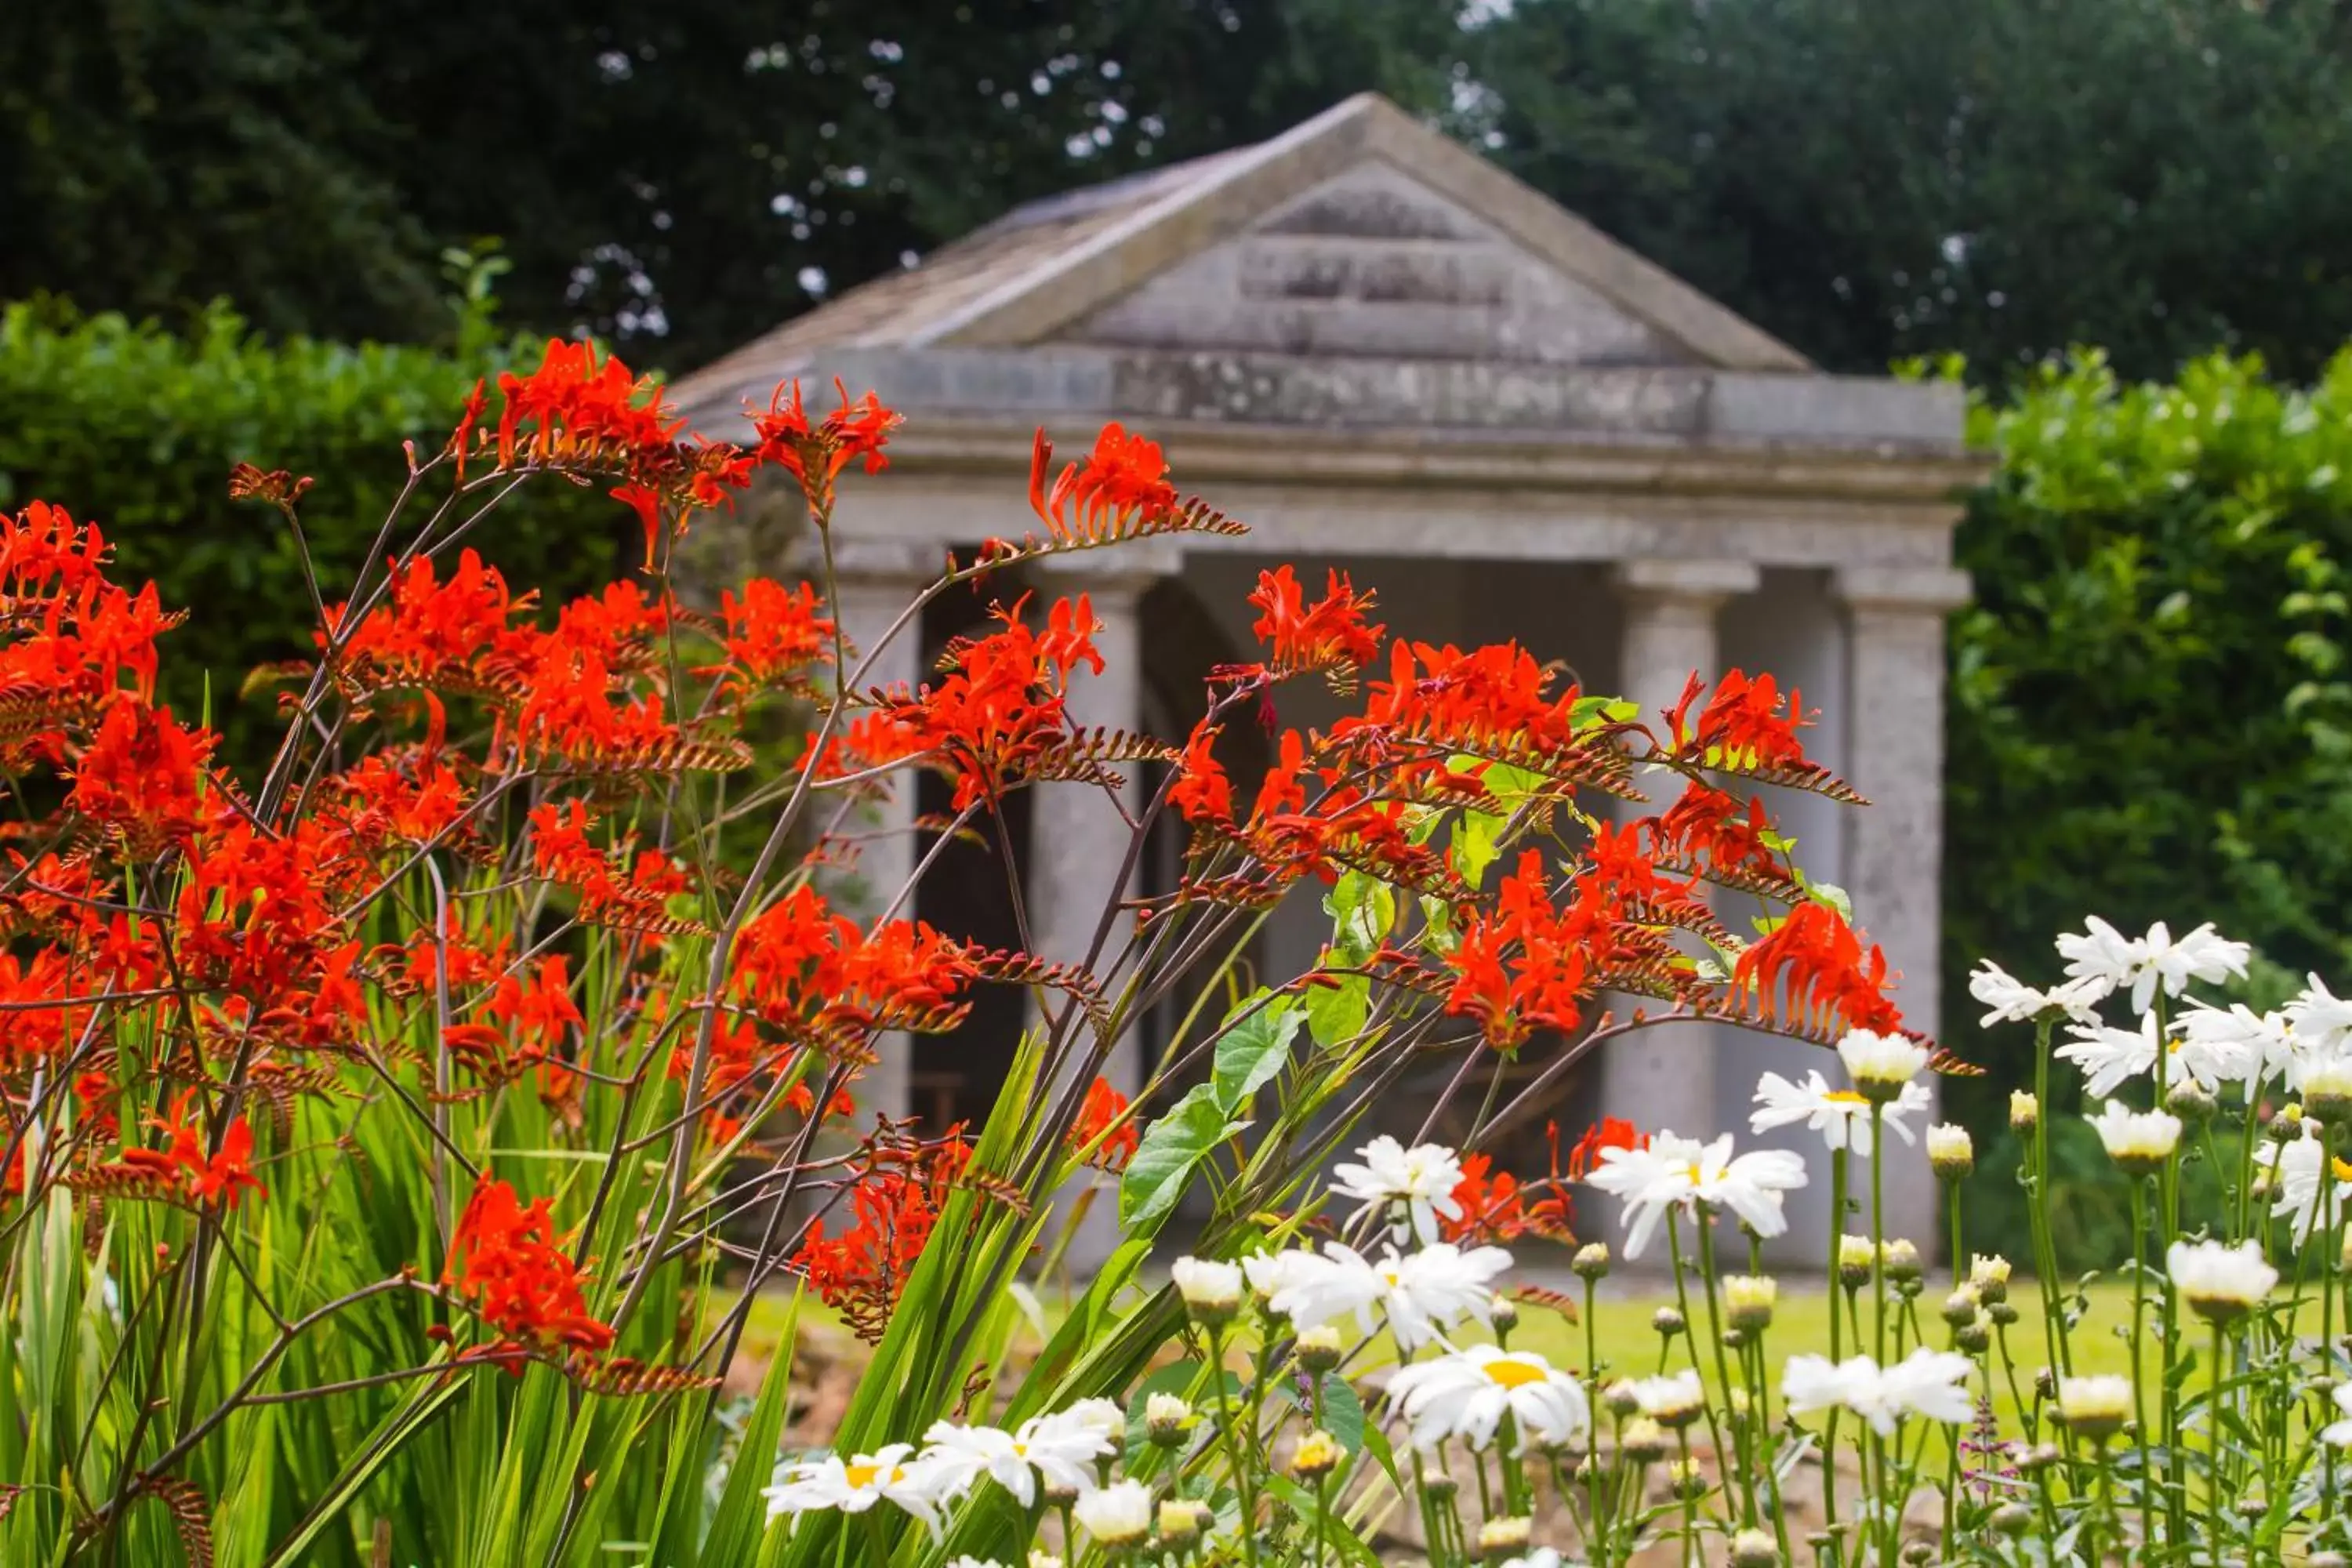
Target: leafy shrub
140 428
2150 708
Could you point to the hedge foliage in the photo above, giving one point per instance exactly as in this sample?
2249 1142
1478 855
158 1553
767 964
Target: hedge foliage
138 427
2151 707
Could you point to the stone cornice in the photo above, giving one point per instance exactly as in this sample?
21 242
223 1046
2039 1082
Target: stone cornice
1204 455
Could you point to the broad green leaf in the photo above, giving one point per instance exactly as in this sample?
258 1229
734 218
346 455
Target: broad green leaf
1362 911
1253 1050
1172 1147
1343 1412
1474 845
1337 1011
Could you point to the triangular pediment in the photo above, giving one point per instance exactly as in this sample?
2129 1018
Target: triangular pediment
1360 233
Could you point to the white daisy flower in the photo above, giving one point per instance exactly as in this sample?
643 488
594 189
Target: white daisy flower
2241 1046
856 1484
2011 1001
1671 1399
2108 1057
2220 1282
1930 1384
2138 1141
2324 1079
2094 1406
1209 1289
1119 1514
2339 1434
1420 1181
2106 961
1420 1293
1681 1172
2322 1020
1842 1116
1061 1452
1880 1065
2295 1170
1464 1395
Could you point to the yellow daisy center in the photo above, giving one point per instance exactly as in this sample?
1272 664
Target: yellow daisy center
860 1477
2343 1170
1513 1374
1846 1097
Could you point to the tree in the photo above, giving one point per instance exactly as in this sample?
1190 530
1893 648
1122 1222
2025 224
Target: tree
692 171
1872 179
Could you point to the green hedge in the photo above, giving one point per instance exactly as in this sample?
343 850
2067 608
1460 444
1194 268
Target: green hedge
2151 712
138 427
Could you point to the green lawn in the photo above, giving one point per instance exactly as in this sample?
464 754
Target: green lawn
1627 1343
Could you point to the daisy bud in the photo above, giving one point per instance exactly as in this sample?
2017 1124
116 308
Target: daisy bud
2012 1519
2039 1457
1754 1549
1975 1338
2003 1313
1440 1487
2220 1283
1919 1554
2192 1101
2286 1126
1748 1300
2024 1110
1319 1348
2045 1384
1165 1418
1591 1260
1643 1441
1620 1398
1732 1339
2138 1141
1879 1065
1119 1514
1503 1315
1212 1290
1059 1496
1667 1322
1502 1538
1687 1481
1950 1152
2328 1088
1903 1262
1961 1307
1318 1455
1989 1278
1855 1260
1179 1520
2094 1406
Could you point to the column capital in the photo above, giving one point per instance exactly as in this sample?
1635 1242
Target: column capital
1707 583
1125 571
1918 590
904 564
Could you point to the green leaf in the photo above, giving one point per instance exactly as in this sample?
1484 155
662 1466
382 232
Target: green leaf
1475 847
1362 911
1171 1147
1343 1412
1253 1050
1337 1011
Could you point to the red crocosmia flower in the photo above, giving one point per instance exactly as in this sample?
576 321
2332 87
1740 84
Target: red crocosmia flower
1103 1115
508 1259
1330 635
30 1033
1201 790
140 775
445 635
861 1272
996 717
207 1180
816 455
774 635
1493 1206
1746 721
809 971
1610 1133
43 551
1814 974
1123 481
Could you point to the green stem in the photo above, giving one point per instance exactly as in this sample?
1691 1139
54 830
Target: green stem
1739 1428
1682 1299
2045 1251
1878 1227
1245 1475
1837 1344
2138 1353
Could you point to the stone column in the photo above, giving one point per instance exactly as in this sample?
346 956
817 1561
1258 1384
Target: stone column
1894 847
875 581
1665 1077
1077 839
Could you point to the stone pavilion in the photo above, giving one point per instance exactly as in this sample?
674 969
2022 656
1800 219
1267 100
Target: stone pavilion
1383 353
